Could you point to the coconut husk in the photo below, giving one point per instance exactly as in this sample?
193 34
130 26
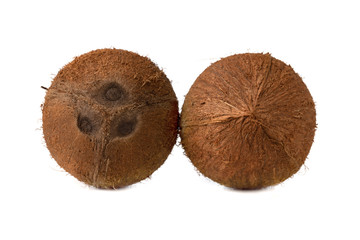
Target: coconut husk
248 121
110 118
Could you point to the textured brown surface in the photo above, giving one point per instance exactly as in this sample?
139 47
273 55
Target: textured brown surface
110 118
248 121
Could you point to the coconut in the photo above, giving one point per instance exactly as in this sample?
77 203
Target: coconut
110 118
248 121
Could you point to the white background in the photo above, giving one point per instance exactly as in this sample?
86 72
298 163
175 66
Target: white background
320 39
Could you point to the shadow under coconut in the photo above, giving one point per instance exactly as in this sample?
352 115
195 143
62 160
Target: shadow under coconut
125 188
119 189
249 190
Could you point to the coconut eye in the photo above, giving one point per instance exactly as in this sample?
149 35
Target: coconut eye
113 92
123 126
88 122
84 124
126 127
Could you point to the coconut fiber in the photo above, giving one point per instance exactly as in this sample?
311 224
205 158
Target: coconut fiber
110 118
248 121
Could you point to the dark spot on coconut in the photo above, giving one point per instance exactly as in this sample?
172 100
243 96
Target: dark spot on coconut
123 125
111 94
126 127
84 124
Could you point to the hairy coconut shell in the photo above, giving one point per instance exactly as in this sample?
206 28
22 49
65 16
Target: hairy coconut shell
110 118
248 121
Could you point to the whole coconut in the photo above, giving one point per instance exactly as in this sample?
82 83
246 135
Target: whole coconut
248 121
110 118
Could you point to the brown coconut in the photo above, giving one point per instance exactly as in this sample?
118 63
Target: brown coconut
110 118
248 121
